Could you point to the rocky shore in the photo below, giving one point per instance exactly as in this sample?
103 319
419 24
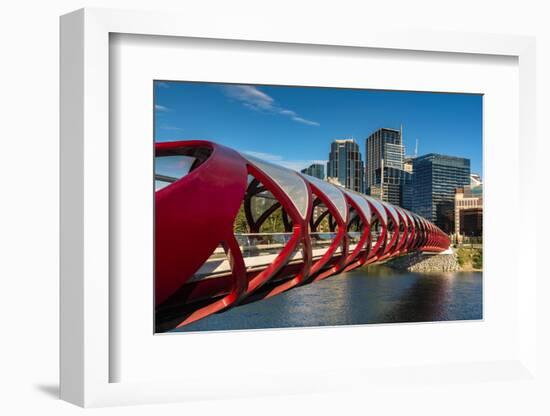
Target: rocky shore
426 263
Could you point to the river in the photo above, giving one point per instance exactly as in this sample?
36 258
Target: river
372 295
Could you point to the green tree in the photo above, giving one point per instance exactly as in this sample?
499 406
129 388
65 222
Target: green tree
323 226
274 223
241 225
477 260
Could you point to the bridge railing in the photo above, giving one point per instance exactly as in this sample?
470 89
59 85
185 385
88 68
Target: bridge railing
265 244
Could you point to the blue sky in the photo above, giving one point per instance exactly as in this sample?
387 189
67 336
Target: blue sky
294 126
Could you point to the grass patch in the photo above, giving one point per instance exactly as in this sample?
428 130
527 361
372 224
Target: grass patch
470 258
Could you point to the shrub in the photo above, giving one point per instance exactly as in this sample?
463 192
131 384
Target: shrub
477 260
463 256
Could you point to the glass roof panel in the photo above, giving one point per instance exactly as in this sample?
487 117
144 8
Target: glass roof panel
290 182
409 217
361 202
333 193
393 212
176 166
424 222
260 203
403 215
379 207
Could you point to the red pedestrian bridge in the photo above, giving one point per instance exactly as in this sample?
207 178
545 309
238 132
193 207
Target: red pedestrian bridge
231 229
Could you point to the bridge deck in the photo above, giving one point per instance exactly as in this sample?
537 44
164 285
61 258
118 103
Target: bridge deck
217 267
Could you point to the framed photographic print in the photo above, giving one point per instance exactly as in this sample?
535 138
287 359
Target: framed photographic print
262 217
285 211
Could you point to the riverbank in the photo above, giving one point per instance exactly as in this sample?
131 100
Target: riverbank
463 259
426 263
470 258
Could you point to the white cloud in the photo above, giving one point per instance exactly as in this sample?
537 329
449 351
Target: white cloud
250 96
304 121
296 165
159 107
288 113
254 99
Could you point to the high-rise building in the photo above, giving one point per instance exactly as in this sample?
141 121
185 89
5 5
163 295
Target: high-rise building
386 175
435 179
316 169
475 180
408 164
345 164
469 211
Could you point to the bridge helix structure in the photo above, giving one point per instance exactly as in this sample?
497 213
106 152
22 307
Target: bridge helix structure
216 245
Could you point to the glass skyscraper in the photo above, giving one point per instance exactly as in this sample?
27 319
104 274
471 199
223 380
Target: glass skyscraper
435 179
345 164
316 170
385 176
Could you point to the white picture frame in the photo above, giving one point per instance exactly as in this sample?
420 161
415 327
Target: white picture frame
86 353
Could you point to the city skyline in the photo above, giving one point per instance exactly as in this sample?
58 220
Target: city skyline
294 126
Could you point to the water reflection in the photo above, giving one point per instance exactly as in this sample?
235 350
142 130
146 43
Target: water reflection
370 295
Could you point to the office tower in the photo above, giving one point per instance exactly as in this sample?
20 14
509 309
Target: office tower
345 164
475 180
386 175
435 179
408 164
316 169
469 211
